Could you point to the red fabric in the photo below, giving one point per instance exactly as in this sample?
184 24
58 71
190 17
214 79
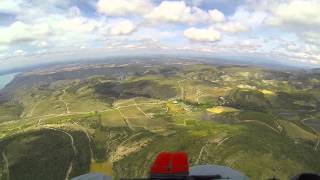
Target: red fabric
170 163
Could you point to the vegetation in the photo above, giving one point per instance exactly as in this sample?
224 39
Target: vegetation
221 109
116 119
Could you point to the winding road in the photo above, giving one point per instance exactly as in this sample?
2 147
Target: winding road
135 103
88 137
151 103
125 119
65 103
6 162
223 140
314 130
73 148
206 145
201 152
30 114
262 123
131 137
198 93
317 145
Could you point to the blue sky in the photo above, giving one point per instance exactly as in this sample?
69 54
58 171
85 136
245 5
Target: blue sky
35 31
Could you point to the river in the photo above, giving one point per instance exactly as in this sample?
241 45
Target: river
6 79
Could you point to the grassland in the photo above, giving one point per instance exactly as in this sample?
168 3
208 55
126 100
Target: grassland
222 109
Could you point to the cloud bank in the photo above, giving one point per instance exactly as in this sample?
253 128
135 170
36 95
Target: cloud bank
280 28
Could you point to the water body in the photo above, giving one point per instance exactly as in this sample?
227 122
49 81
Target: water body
6 79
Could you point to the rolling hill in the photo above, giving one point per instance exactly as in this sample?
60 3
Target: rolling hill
58 123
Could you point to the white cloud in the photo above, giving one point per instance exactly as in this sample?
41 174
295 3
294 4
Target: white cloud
161 34
42 44
216 15
76 25
232 27
19 31
203 35
123 27
177 12
9 6
54 32
32 9
312 37
19 52
250 18
3 48
74 12
123 7
296 12
58 25
241 21
301 18
48 27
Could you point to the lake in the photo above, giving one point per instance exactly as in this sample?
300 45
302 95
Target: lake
6 78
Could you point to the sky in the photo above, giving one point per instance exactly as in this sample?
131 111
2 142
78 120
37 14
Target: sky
35 31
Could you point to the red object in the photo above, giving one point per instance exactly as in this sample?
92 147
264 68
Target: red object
173 163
